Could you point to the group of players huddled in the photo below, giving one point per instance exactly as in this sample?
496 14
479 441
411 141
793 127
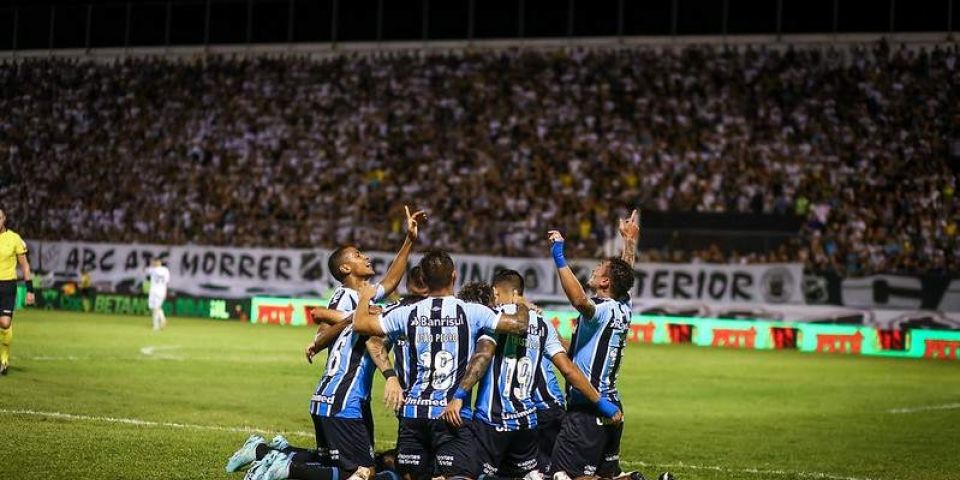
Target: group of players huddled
520 425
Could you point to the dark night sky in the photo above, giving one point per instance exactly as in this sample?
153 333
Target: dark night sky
26 24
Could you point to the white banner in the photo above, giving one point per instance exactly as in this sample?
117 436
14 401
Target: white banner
243 272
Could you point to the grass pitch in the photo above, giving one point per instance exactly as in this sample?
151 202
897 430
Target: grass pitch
98 396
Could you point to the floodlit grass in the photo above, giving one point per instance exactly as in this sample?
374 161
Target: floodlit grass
175 404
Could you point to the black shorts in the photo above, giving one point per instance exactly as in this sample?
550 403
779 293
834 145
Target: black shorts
586 446
346 441
433 447
323 452
8 297
506 453
548 427
367 414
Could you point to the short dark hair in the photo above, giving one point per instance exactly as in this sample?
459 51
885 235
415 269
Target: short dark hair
437 269
510 278
621 277
415 279
476 292
336 259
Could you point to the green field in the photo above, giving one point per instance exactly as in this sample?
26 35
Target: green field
97 396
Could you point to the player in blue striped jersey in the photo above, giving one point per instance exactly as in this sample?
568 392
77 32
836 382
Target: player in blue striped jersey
341 402
416 291
340 406
586 446
441 333
505 414
551 407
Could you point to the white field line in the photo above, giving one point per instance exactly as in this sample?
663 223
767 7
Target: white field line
217 428
150 423
763 473
946 406
153 351
156 356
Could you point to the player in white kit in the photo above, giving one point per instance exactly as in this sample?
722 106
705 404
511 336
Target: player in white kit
159 276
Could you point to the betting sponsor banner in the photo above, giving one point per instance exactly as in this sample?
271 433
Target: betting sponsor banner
246 272
131 304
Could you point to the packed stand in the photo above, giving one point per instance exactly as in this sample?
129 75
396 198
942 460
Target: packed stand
498 146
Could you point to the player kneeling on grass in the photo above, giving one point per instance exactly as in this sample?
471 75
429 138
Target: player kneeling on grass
441 333
505 414
341 457
587 446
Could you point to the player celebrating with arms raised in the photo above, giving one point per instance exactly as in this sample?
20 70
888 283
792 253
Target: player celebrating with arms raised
340 406
506 414
588 447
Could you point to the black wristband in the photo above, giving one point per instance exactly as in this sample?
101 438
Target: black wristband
29 286
389 373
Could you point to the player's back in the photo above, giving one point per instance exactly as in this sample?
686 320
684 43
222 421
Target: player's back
505 395
439 335
597 348
159 277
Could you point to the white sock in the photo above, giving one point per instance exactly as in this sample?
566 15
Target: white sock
163 318
156 318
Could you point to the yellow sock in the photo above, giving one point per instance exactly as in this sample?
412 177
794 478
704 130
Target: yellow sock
6 338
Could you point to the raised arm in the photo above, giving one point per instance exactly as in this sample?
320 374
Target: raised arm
568 281
630 233
399 265
475 369
365 320
577 380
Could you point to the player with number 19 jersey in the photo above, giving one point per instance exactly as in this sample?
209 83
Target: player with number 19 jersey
505 416
505 395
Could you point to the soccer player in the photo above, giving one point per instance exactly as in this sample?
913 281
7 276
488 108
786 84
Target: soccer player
340 406
547 394
13 252
159 277
416 291
505 417
588 447
441 332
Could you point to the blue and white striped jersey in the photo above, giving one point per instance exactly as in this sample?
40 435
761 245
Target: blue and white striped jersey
505 395
399 346
439 335
547 393
348 377
597 348
345 299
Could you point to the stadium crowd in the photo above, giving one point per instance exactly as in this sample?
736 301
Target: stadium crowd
294 152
